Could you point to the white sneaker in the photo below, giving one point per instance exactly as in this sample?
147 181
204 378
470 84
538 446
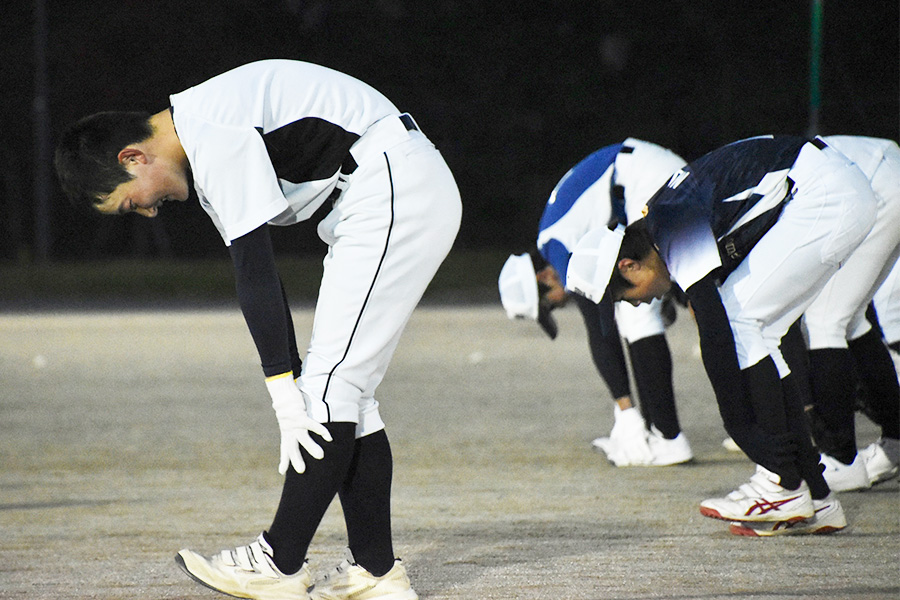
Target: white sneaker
627 444
879 466
845 478
349 581
245 572
829 517
762 499
730 445
668 452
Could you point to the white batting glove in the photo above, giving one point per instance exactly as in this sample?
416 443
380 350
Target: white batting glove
295 424
628 439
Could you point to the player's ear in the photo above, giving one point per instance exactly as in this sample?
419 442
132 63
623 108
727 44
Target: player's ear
129 155
628 264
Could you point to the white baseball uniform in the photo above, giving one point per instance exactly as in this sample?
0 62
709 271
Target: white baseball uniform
822 206
614 182
270 142
887 306
612 186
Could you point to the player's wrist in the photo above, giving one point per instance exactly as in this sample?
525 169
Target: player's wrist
624 402
284 392
274 378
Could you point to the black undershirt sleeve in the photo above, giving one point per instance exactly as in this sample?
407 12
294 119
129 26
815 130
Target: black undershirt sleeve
717 348
264 303
296 363
606 346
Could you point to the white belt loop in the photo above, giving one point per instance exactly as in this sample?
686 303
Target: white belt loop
381 135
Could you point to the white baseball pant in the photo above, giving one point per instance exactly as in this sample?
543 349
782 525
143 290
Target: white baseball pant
838 313
887 305
832 210
388 233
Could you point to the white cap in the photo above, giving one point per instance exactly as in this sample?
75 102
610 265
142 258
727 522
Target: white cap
518 287
592 262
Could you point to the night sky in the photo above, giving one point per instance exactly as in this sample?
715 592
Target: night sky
513 93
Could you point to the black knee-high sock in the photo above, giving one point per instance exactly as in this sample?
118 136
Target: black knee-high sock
305 497
651 363
773 445
798 424
795 353
832 381
366 500
879 376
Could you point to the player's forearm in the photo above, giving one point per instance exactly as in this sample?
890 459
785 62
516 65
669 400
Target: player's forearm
606 346
717 345
262 300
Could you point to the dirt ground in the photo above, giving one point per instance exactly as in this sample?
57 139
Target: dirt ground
127 435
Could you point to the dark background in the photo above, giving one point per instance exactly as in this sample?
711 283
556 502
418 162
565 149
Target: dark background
513 93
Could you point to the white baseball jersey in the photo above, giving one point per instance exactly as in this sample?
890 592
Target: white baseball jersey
611 184
614 182
274 131
270 142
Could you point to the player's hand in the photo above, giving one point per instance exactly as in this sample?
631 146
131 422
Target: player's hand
628 438
294 423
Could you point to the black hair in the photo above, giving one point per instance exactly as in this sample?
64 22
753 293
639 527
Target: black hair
86 159
636 245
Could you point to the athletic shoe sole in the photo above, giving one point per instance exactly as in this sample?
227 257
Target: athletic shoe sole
180 561
714 514
794 528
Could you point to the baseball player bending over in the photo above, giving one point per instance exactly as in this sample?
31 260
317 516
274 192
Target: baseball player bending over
612 184
267 144
843 346
751 232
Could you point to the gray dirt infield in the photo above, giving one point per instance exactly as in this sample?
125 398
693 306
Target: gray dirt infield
125 436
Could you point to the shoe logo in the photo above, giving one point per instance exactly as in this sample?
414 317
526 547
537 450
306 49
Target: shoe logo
764 506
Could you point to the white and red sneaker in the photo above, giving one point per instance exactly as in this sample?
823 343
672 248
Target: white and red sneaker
829 518
761 499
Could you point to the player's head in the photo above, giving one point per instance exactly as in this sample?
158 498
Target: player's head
86 158
640 274
531 288
119 162
618 265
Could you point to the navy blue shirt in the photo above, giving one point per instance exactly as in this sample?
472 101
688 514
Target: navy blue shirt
712 212
704 222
